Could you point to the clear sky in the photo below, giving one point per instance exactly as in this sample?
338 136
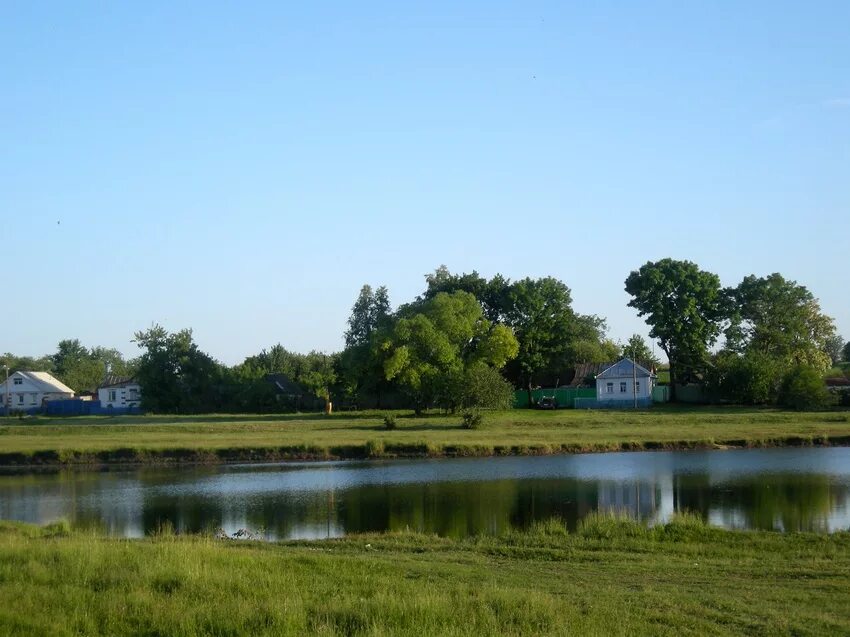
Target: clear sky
243 168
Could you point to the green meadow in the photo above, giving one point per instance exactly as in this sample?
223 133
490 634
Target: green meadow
212 438
612 577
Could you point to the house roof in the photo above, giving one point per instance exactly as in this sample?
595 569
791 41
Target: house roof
45 383
113 381
284 385
625 368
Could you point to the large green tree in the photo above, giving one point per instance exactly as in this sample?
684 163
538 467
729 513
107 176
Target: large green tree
684 307
493 294
429 352
370 311
360 364
780 319
176 376
552 337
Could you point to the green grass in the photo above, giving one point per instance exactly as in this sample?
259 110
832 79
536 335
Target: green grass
613 577
254 437
227 437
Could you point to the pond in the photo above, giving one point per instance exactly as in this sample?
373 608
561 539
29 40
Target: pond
790 489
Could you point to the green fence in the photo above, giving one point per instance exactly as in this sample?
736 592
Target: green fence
564 397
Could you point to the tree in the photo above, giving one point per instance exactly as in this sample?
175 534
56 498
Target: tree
83 369
684 306
428 353
846 352
637 349
803 388
493 295
541 316
551 336
360 365
750 379
175 375
369 312
778 318
485 388
835 348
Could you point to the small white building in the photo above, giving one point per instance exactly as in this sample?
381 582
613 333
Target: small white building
623 382
27 391
119 393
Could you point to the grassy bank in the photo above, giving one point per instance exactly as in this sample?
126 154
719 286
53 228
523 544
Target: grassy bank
357 435
612 577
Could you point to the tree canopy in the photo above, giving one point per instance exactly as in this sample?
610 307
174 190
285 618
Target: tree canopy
429 352
684 306
780 319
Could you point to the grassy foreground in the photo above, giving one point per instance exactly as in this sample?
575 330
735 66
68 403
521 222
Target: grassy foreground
356 435
613 577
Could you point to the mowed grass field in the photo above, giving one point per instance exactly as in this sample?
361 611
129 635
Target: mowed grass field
612 577
362 434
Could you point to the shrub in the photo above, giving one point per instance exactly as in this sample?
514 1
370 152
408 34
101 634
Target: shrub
803 388
753 379
472 420
486 388
608 525
374 448
389 422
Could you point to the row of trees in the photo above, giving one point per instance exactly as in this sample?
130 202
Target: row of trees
744 343
467 341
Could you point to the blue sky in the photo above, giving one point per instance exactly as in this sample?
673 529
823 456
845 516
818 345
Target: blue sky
243 168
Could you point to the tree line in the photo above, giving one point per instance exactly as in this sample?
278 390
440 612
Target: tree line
468 342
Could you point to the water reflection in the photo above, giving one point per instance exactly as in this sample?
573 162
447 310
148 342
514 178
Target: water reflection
778 489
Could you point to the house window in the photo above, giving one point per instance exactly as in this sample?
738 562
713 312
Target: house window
610 388
20 399
111 395
19 380
34 399
637 386
623 387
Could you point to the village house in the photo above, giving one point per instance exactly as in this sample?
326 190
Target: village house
624 383
116 392
28 391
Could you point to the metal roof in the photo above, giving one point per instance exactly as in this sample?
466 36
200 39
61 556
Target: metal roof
45 383
625 368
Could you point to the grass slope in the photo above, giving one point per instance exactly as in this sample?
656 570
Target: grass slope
614 577
214 438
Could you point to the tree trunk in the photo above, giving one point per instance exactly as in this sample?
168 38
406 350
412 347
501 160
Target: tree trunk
673 379
528 389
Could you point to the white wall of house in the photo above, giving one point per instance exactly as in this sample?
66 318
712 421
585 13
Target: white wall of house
621 388
118 396
24 393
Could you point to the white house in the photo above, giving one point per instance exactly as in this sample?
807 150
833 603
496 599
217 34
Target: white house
623 382
119 393
27 391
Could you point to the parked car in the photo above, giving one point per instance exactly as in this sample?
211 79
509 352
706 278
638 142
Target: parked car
547 402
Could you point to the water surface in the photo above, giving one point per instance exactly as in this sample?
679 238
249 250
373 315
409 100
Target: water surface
778 489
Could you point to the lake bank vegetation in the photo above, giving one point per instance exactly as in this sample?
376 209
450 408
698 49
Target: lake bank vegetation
612 576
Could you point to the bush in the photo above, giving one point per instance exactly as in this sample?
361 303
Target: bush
486 388
389 422
804 388
472 420
753 379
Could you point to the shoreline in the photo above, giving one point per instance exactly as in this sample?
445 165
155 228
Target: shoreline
377 450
